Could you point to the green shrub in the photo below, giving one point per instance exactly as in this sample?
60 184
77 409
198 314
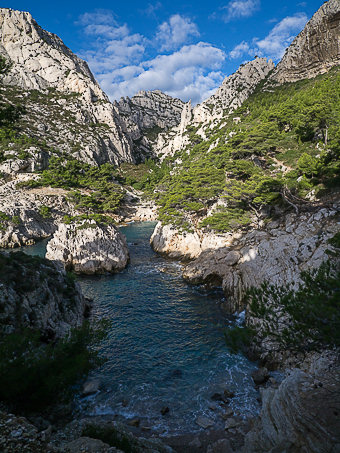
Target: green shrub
34 376
238 338
45 212
311 313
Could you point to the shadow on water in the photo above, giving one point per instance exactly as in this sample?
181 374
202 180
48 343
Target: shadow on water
165 345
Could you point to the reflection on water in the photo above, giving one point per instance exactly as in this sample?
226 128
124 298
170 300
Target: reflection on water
165 346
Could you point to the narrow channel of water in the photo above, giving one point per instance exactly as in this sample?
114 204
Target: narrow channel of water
165 346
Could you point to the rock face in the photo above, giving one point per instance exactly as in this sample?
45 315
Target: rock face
169 241
277 253
88 248
22 208
69 108
302 415
146 114
234 90
37 294
315 50
41 61
18 434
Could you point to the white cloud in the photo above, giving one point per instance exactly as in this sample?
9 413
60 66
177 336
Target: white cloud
177 31
240 8
239 50
151 9
113 45
120 61
276 42
190 73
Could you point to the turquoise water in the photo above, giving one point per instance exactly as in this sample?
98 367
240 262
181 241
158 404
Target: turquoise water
165 346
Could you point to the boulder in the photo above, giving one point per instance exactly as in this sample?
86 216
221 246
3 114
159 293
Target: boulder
204 422
88 248
260 376
88 445
220 446
90 387
302 414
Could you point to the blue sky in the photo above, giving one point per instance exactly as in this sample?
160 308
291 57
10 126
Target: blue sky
184 49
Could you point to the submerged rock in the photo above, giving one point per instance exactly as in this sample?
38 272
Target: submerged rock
88 248
165 410
204 422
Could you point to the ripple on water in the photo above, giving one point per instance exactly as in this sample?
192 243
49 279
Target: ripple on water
165 345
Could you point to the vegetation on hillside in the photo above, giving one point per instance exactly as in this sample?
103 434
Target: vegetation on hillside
296 320
286 148
94 191
35 376
35 370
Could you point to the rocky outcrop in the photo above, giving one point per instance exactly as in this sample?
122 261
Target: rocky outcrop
68 107
17 434
277 253
22 219
42 62
315 50
170 241
302 414
234 90
88 248
37 294
147 114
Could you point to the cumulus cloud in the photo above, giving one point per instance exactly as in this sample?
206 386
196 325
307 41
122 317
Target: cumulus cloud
177 31
276 42
151 9
122 65
113 44
239 50
189 73
237 9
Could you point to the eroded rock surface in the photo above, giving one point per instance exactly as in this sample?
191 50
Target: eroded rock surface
277 253
315 50
302 415
88 248
26 221
37 294
234 90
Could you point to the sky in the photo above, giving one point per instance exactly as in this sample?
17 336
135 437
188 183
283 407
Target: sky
184 49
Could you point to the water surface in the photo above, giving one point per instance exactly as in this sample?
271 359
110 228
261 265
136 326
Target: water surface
165 345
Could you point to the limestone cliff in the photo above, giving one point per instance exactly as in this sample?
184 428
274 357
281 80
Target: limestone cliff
277 253
234 90
301 415
147 114
42 62
66 106
315 50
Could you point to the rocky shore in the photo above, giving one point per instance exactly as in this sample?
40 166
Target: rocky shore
87 248
277 252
